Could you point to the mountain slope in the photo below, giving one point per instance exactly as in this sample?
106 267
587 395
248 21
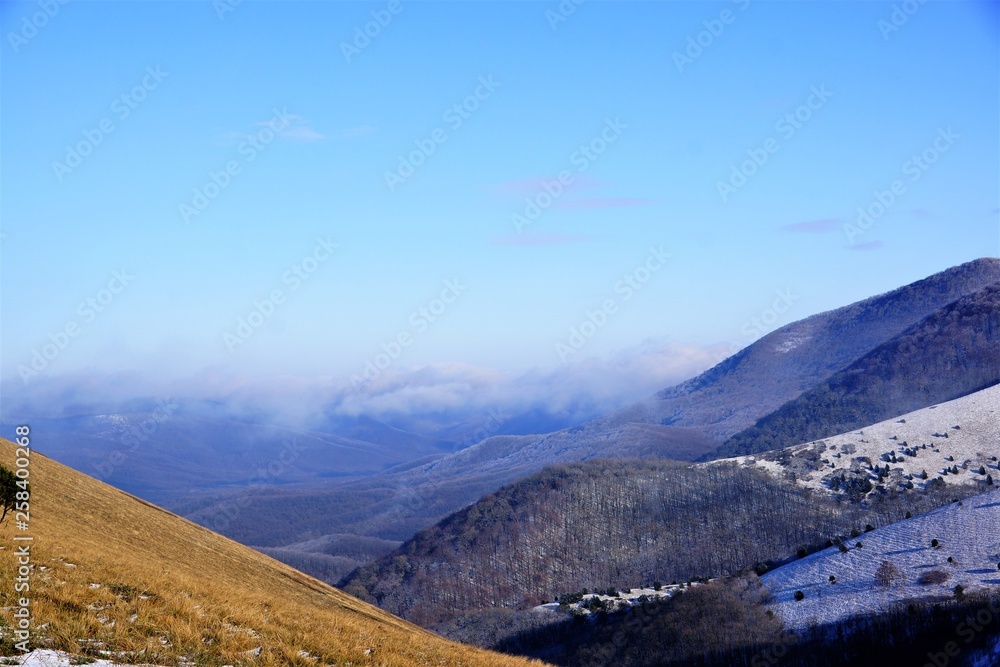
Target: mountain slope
172 450
967 533
729 397
685 422
625 523
114 574
611 523
963 434
952 352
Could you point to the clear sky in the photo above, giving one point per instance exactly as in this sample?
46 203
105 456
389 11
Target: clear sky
362 178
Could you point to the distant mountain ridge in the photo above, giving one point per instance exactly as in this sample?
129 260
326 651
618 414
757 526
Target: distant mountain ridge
624 523
952 352
794 358
684 422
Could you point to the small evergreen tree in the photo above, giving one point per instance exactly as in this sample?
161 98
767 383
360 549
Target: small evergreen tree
9 489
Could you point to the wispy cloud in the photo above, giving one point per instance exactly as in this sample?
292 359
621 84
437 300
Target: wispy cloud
602 202
534 184
293 128
870 245
813 226
917 213
529 239
301 133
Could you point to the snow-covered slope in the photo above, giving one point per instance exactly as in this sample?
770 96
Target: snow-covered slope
963 433
968 533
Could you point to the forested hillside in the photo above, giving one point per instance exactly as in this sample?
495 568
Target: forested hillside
611 523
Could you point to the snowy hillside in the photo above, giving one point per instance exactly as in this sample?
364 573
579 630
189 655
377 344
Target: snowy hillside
962 434
967 554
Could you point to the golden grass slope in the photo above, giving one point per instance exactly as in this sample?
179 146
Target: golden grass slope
118 578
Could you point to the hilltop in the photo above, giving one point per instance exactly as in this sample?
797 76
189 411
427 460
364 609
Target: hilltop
117 578
952 352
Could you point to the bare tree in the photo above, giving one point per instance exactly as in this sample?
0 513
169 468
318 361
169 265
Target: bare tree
886 574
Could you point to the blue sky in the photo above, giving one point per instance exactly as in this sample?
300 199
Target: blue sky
202 83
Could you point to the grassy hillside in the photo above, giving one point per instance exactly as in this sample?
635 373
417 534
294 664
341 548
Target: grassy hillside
115 574
954 351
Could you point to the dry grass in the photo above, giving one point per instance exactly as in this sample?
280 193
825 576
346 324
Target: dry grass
115 576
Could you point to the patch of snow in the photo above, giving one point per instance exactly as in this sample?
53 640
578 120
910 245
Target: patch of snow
969 533
790 343
48 658
629 598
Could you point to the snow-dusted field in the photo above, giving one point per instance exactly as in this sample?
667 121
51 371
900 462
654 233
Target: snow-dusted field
968 533
47 658
963 433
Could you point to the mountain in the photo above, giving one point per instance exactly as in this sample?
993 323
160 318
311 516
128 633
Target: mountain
950 353
791 360
170 451
116 577
623 523
685 422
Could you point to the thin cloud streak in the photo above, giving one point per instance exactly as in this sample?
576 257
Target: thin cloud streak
813 226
